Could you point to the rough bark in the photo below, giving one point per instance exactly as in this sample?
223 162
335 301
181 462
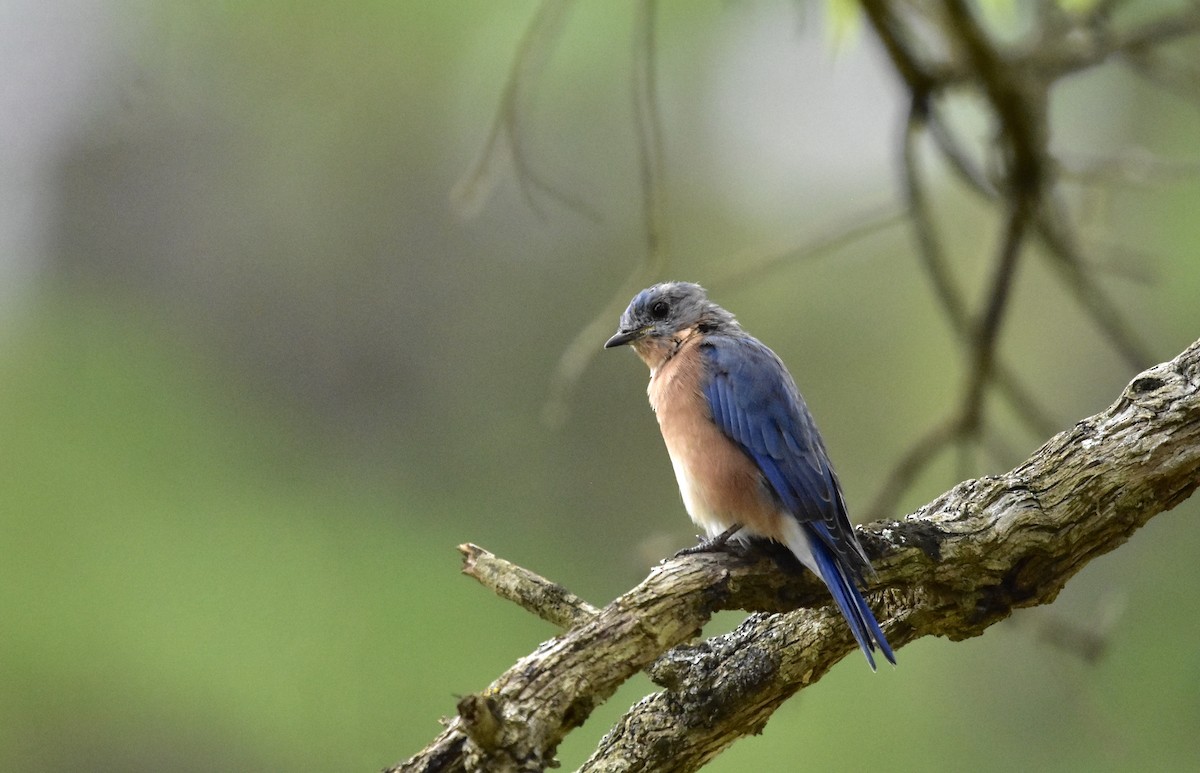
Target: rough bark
954 567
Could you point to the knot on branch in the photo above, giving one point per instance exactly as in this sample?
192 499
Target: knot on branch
1157 388
504 745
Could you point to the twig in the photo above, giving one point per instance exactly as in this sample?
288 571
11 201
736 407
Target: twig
505 137
578 354
648 121
651 161
988 331
929 246
754 267
1053 227
548 600
1096 40
953 151
910 465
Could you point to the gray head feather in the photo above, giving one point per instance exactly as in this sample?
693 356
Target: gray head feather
665 309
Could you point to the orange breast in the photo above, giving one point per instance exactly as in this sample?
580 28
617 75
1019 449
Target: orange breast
719 483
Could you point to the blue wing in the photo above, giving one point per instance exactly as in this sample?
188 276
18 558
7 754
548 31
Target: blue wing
755 402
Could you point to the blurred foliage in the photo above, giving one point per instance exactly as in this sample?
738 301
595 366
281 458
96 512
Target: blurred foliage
190 585
267 382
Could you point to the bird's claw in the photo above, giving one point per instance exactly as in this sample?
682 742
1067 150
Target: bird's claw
712 544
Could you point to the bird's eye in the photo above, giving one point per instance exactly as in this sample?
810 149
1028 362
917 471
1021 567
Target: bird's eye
659 310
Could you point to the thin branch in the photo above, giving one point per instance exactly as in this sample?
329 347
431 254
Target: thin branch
754 267
988 331
1087 641
506 137
956 155
651 163
1095 41
919 455
929 246
582 349
1055 231
1101 12
1130 167
648 121
1172 77
1018 102
922 78
548 600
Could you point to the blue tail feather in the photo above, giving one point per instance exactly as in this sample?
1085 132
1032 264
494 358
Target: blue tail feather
853 606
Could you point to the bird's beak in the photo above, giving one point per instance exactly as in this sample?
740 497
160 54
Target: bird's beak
624 337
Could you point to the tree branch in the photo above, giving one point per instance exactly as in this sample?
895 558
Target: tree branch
548 600
953 568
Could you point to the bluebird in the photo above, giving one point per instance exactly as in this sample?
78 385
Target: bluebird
747 455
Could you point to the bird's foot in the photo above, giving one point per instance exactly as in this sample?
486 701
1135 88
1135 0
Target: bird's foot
712 544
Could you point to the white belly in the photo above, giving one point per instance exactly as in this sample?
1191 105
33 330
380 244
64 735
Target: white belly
698 508
714 522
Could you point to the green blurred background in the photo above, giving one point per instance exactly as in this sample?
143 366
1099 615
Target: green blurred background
257 379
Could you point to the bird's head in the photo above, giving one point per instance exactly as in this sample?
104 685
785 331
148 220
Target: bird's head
660 317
